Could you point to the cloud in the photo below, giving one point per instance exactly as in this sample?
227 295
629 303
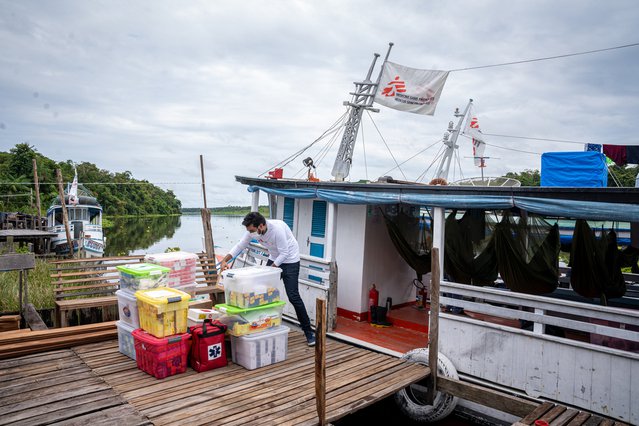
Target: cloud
149 86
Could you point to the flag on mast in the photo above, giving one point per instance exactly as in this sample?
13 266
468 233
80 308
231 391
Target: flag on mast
410 89
73 192
479 146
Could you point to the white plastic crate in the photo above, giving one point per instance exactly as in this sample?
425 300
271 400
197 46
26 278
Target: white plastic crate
126 343
128 308
260 349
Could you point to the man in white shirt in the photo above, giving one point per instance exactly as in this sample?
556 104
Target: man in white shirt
284 253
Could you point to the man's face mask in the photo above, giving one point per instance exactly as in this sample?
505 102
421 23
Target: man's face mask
259 230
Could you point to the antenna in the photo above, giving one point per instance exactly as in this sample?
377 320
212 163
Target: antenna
362 100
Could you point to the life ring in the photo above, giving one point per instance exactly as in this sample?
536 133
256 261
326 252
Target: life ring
411 399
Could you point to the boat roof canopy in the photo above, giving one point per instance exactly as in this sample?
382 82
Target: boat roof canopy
617 204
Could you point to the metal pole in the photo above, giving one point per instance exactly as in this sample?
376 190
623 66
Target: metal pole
65 218
444 165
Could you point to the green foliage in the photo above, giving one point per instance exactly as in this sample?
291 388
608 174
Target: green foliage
121 195
171 249
527 177
624 175
229 210
39 285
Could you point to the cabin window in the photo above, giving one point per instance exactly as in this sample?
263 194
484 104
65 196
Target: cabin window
318 224
289 212
94 216
58 217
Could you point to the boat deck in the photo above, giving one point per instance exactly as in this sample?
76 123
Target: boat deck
94 383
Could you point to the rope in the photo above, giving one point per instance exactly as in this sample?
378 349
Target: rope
383 140
547 58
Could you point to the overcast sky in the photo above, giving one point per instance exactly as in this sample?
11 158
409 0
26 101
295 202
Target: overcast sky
148 86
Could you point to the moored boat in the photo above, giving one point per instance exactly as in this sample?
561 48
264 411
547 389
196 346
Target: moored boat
85 222
509 340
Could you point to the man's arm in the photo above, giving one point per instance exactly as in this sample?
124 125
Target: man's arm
237 249
282 247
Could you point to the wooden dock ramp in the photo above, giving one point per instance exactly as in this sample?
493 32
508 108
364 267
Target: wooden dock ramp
558 415
96 378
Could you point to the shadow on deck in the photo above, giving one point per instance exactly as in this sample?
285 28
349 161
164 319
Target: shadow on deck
94 383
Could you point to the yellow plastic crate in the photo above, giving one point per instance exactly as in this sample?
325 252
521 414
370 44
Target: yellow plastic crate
163 311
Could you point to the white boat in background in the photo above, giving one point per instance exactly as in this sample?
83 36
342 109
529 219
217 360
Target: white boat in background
503 340
85 222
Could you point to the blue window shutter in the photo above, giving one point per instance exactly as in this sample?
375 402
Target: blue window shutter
318 224
289 211
317 250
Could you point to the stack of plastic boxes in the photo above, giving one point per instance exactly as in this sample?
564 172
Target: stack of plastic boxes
253 316
183 267
133 278
161 343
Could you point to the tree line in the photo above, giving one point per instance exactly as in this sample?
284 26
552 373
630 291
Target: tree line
118 193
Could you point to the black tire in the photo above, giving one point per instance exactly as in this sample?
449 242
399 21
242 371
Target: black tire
410 399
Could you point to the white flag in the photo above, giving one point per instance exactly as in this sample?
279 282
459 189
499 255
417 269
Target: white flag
73 192
410 89
472 129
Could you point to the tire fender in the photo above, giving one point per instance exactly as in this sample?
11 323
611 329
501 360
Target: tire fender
410 399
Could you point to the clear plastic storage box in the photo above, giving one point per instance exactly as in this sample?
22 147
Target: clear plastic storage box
183 266
260 349
128 308
142 276
242 321
252 286
161 357
126 344
163 311
197 316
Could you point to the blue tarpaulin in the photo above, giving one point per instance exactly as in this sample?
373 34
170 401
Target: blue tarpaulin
585 169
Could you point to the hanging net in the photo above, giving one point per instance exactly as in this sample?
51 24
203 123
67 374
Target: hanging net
527 251
408 235
470 256
596 263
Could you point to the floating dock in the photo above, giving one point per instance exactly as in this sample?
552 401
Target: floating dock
94 383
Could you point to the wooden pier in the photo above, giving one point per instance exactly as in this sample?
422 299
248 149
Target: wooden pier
94 383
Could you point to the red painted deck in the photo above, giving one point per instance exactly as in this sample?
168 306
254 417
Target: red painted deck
409 330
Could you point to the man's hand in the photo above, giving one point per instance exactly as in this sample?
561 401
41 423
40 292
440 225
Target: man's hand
224 266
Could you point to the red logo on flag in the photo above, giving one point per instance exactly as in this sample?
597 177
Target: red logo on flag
474 123
394 87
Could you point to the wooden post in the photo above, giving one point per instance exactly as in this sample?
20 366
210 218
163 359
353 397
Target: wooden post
37 188
320 360
65 217
209 247
433 326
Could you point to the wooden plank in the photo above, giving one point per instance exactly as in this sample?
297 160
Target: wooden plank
579 419
433 326
593 420
57 332
541 409
320 360
32 318
15 262
565 417
553 413
54 397
487 397
120 415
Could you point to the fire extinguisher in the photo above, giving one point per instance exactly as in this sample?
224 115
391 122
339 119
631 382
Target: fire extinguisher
373 300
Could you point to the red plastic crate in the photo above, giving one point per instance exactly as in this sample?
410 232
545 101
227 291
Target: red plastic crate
161 357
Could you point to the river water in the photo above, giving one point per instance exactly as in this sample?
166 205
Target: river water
157 234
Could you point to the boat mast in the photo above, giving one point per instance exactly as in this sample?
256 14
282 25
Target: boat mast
450 140
362 100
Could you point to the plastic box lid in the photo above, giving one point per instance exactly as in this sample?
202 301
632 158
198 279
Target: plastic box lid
234 310
252 272
143 269
171 256
125 326
162 297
